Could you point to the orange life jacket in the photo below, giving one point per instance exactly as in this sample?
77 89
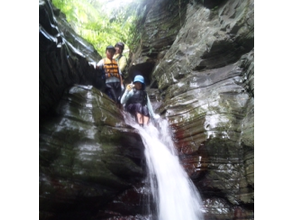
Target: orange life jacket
111 68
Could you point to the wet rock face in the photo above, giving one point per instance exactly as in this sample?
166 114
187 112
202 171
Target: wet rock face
64 58
206 84
159 26
88 156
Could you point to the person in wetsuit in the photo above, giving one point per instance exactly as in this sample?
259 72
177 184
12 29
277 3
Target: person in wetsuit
136 101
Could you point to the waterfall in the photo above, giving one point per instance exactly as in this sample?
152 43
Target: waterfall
174 194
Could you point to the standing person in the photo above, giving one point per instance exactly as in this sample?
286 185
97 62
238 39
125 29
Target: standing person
137 102
120 58
113 79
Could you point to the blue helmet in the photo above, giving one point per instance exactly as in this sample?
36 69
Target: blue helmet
139 78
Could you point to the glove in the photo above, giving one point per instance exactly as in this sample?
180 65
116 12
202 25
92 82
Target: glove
122 87
129 87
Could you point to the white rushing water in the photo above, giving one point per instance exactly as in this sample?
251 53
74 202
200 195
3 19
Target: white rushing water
174 193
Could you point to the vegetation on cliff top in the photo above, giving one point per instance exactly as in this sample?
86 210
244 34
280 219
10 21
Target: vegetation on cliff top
101 22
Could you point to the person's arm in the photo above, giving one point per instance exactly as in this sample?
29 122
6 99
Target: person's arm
100 64
93 64
127 94
122 63
120 78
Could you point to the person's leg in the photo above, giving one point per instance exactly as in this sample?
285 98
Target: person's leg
133 109
110 91
145 119
145 115
139 115
139 118
118 91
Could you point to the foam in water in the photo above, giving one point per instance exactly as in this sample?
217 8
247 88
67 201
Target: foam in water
175 195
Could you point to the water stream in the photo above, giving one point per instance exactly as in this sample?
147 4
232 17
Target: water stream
174 194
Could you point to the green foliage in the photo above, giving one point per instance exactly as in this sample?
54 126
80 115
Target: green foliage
101 22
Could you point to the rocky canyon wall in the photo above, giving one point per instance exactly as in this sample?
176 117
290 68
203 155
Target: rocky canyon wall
203 76
198 60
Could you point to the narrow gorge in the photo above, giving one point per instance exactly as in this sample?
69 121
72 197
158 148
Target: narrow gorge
198 61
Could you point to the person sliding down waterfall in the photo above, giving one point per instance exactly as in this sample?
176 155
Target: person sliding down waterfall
136 101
